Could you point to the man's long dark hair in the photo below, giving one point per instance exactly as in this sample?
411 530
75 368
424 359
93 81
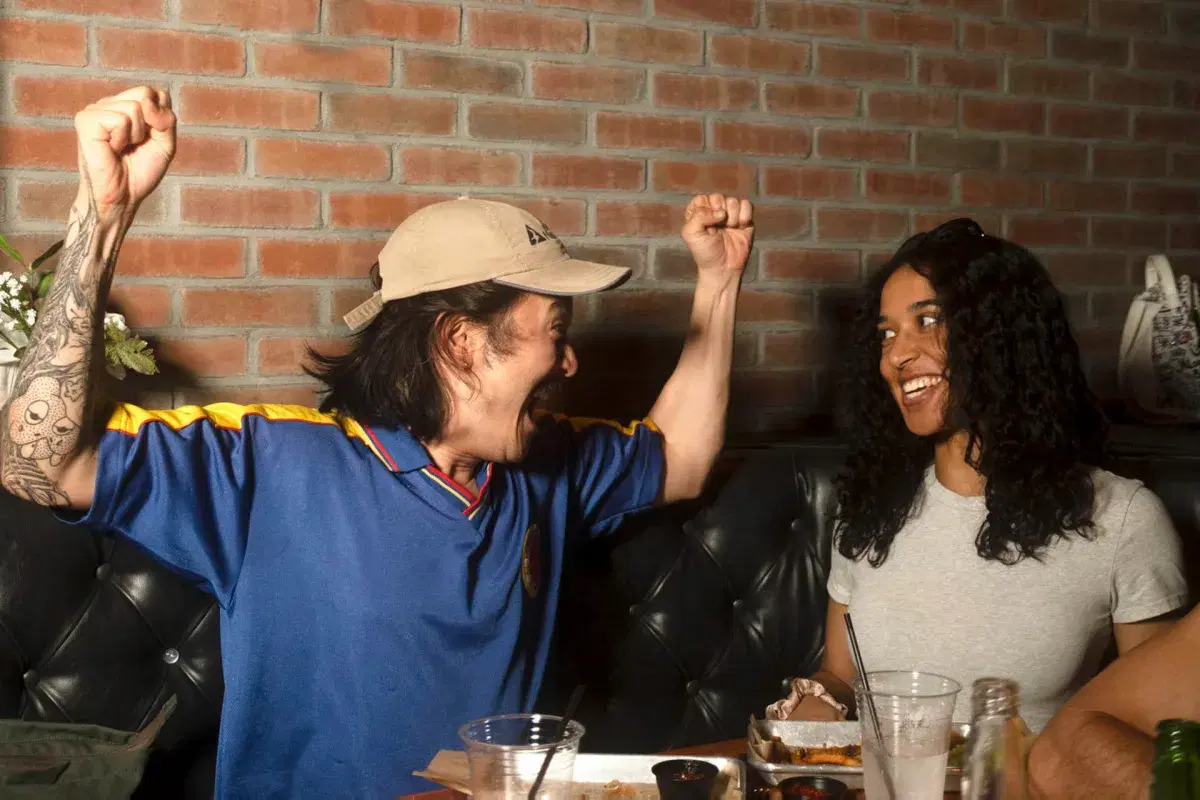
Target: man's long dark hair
1016 387
390 374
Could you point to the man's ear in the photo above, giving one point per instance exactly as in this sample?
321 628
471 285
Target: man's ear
459 343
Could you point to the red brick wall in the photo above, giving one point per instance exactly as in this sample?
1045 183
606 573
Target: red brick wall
310 129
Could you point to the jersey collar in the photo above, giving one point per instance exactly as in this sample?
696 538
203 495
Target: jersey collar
397 448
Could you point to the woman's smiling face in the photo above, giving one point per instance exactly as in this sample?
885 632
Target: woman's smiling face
913 350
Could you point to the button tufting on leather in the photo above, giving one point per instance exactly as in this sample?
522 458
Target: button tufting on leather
693 687
88 643
171 655
634 610
737 604
797 526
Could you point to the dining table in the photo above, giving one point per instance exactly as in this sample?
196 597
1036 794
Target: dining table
730 748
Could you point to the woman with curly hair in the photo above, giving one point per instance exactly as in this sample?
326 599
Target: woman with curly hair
975 534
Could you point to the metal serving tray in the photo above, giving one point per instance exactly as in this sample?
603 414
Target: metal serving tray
821 734
594 770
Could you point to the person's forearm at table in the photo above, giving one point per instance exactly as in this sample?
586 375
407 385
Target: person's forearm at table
1087 754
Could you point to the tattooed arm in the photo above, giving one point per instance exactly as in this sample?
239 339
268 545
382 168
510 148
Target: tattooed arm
126 143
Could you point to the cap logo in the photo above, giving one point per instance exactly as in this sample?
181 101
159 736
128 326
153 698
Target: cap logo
536 237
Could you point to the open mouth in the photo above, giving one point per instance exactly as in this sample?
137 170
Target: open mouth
917 390
539 399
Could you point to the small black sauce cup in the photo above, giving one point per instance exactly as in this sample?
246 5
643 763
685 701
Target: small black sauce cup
834 789
685 779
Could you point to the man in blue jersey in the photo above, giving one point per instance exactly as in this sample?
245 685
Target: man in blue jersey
388 566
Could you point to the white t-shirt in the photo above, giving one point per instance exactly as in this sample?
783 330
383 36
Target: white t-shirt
935 605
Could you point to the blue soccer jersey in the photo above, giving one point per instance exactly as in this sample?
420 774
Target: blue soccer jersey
370 605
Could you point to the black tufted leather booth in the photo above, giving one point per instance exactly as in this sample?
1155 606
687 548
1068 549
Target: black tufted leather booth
694 617
682 624
94 630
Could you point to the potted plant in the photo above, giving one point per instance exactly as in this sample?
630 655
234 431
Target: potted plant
21 298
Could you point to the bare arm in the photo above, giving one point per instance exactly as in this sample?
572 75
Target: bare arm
1086 754
1131 634
690 410
836 672
1101 742
125 145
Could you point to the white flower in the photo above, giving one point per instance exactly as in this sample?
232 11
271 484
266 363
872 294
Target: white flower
30 317
116 320
12 285
5 277
24 277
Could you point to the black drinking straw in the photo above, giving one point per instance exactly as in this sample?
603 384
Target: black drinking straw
862 673
572 705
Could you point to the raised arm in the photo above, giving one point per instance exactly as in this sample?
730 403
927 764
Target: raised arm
126 143
690 410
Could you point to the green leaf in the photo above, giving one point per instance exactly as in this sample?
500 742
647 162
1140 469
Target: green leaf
10 251
133 353
54 248
140 362
44 284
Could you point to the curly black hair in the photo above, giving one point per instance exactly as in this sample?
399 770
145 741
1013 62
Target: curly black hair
1016 387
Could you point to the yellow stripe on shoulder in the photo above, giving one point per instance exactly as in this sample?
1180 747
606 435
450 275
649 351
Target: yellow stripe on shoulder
129 419
580 424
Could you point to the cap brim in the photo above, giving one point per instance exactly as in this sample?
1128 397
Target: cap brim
567 278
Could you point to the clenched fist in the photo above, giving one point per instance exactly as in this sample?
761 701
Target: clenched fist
719 231
126 143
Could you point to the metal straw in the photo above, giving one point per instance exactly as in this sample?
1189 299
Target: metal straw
862 674
572 705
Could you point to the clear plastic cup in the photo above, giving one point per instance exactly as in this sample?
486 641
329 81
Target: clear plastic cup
915 711
506 753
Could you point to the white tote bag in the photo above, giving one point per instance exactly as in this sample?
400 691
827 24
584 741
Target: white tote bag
1159 363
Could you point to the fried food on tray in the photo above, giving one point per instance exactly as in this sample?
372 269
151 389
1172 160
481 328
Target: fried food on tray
847 756
616 789
774 751
844 756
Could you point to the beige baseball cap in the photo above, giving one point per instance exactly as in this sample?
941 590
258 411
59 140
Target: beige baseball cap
464 241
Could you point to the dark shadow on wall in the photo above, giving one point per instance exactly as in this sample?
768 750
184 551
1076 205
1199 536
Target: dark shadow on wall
621 374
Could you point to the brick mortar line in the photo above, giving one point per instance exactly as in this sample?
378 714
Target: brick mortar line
327 89
1087 28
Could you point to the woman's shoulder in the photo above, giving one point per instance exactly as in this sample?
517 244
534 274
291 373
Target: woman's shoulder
1119 498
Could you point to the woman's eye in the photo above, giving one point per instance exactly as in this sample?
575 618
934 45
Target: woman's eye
929 320
884 335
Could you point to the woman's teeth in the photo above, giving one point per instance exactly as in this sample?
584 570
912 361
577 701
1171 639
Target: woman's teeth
917 384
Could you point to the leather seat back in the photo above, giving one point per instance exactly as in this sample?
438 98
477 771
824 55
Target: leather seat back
694 617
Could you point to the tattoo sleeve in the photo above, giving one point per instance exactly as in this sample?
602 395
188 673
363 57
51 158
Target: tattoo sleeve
46 420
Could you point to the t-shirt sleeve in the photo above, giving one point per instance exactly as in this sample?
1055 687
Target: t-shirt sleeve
176 482
841 580
1148 577
614 469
